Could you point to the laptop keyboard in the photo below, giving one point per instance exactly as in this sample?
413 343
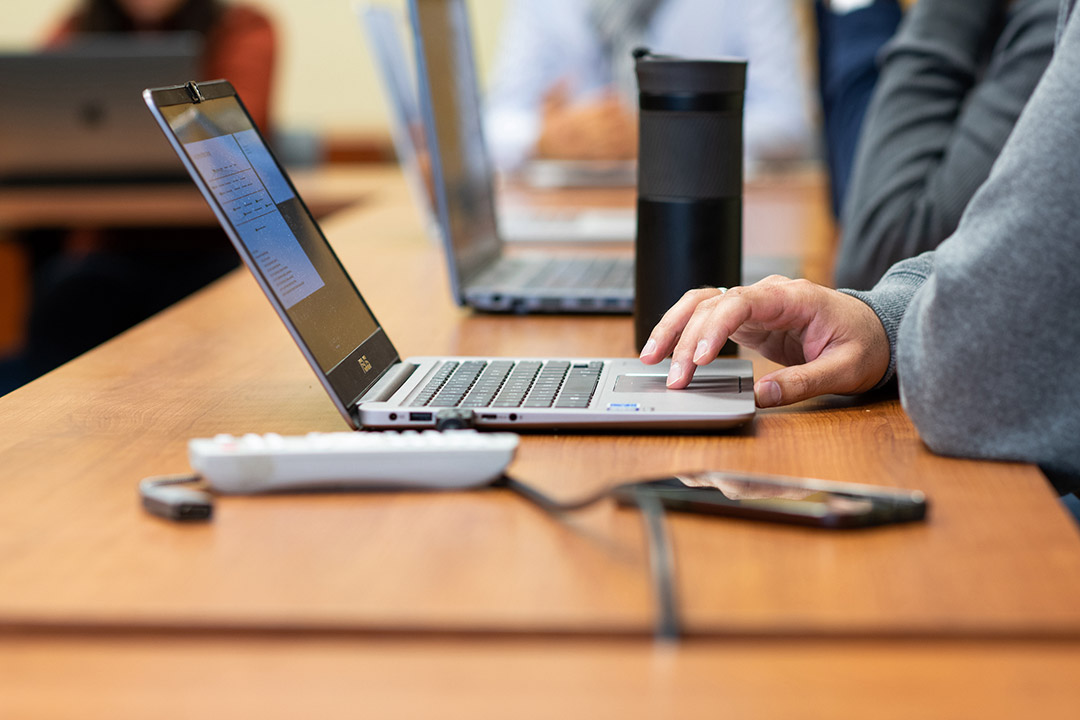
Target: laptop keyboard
506 384
572 273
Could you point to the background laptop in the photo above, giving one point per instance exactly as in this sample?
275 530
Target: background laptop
354 359
516 222
550 173
481 275
73 114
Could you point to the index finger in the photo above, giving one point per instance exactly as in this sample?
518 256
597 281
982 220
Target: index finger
708 328
666 334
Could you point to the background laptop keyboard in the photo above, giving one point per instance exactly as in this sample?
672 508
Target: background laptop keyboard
506 383
565 273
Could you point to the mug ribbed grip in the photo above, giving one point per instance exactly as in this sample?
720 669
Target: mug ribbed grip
690 154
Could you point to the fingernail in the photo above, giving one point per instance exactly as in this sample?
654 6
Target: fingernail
649 347
702 348
768 394
674 373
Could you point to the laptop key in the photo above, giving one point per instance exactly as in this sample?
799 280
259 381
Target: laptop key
435 384
547 384
459 384
502 383
517 384
489 384
580 386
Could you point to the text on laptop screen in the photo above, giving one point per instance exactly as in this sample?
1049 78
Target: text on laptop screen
283 244
245 180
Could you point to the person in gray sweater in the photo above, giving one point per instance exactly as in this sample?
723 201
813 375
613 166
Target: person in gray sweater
983 334
952 83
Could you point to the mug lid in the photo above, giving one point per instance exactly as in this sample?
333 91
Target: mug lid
662 74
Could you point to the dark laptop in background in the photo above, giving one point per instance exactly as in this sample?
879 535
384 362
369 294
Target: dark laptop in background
480 274
352 355
73 115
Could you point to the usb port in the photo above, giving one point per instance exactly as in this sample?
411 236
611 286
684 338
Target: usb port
489 417
420 417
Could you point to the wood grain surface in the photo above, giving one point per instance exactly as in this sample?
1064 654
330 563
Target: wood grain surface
176 676
998 558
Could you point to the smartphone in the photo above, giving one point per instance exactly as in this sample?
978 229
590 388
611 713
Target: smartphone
804 501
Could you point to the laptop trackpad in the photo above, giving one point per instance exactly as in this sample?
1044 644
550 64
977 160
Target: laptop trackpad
657 383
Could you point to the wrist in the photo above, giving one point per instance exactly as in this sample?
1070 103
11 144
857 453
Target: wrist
888 309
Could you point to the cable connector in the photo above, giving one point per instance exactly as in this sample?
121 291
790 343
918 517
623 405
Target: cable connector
455 419
162 496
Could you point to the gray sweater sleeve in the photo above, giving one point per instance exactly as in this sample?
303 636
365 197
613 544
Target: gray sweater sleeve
988 351
891 297
952 84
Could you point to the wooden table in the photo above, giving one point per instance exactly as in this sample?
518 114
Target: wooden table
474 604
270 675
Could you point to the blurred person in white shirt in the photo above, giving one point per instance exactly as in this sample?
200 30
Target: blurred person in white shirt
564 84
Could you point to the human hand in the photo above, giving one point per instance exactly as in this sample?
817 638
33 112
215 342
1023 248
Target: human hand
600 129
831 342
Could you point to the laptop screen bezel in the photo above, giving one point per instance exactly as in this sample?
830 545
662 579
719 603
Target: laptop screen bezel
362 367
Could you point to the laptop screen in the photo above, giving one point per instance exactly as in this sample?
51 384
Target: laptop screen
407 124
277 237
450 99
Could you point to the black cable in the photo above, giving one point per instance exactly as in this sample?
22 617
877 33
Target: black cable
162 496
661 557
662 562
545 503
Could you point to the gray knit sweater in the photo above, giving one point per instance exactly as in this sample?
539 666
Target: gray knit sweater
985 332
953 82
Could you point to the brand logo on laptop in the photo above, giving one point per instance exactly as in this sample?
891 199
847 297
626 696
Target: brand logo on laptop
365 364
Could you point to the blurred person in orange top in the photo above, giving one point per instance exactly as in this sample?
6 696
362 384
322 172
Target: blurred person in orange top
239 41
92 283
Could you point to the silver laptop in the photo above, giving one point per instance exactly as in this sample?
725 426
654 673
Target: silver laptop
73 114
352 355
516 222
550 173
481 275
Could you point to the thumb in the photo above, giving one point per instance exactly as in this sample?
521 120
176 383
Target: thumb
829 373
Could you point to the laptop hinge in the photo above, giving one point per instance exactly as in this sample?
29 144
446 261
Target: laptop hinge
194 92
391 381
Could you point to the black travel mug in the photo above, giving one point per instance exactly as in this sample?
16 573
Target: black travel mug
690 178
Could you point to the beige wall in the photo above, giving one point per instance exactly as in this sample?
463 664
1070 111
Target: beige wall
326 79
